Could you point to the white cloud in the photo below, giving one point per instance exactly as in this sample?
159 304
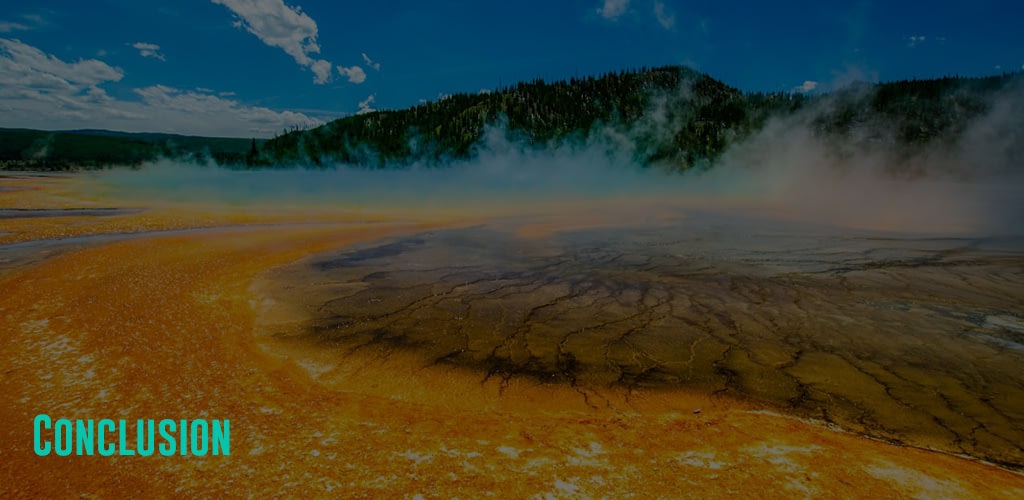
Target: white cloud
38 90
7 27
184 111
613 9
25 65
807 86
364 105
285 27
915 40
322 70
33 21
355 74
149 50
666 19
369 62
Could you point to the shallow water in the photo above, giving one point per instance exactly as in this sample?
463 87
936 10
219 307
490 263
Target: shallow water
23 213
915 339
23 254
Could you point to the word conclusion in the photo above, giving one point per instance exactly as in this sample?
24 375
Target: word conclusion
107 437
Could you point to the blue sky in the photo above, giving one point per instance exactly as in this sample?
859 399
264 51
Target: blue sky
252 67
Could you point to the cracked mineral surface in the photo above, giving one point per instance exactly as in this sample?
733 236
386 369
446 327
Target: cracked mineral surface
913 340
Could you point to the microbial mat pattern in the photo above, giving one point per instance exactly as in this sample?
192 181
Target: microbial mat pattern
909 340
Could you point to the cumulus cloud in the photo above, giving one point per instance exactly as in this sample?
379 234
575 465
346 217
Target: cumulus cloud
364 105
149 50
355 74
322 71
39 90
283 26
369 62
24 65
807 86
665 18
613 9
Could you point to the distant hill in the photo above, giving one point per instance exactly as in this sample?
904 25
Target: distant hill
671 116
693 124
87 149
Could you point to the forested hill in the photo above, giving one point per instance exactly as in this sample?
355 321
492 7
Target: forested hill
671 115
696 116
25 149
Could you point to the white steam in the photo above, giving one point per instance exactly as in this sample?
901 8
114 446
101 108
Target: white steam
972 186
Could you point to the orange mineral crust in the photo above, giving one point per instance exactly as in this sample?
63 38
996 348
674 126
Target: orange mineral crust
49 207
180 326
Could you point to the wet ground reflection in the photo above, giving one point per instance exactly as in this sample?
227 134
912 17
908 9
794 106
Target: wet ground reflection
911 339
24 213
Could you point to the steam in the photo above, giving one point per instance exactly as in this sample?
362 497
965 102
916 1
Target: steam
974 185
504 179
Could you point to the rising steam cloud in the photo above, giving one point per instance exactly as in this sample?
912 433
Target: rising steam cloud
786 170
972 185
